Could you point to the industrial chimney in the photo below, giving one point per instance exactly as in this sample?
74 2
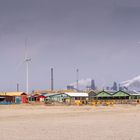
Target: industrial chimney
77 81
17 87
52 79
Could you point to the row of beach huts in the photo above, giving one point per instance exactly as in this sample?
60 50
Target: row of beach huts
71 98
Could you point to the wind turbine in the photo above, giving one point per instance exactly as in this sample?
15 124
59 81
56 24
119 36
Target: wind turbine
27 60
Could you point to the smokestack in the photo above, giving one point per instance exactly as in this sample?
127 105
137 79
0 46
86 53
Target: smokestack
77 81
52 79
17 87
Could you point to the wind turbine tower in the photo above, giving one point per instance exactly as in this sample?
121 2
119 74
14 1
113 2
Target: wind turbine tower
27 60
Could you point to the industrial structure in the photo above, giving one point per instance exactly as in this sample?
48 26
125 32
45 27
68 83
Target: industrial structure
52 83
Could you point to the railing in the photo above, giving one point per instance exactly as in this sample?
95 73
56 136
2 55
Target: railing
8 103
112 102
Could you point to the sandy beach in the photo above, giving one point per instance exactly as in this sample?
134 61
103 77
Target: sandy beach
26 122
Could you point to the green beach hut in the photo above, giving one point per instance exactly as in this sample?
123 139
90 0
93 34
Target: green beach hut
121 95
103 95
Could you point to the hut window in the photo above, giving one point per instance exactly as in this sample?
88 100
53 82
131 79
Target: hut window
77 98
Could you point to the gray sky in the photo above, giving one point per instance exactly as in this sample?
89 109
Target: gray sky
100 37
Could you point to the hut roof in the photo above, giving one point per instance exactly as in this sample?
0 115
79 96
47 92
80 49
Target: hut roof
23 93
41 96
51 94
121 93
11 93
76 94
104 94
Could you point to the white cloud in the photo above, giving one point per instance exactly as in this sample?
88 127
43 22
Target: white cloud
82 83
133 83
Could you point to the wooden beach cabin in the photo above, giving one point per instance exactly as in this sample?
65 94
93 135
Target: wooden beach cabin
103 95
76 98
67 98
92 95
41 98
24 98
11 97
121 95
55 97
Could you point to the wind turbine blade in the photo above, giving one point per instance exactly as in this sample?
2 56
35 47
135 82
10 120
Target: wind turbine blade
26 49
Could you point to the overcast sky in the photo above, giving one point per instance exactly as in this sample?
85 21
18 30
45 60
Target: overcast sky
100 37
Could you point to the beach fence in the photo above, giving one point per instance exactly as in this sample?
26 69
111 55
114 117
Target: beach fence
113 102
6 103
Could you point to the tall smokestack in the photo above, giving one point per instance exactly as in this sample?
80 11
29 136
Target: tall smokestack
77 81
52 79
17 87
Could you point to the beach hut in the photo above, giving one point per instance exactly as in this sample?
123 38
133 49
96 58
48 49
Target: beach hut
55 97
41 98
2 98
67 98
121 95
12 97
24 98
92 95
34 98
103 95
76 97
7 99
134 94
17 100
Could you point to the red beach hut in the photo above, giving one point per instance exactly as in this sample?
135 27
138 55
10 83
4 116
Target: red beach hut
41 98
24 98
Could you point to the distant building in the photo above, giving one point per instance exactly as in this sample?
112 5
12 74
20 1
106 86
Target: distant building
70 87
115 87
93 87
107 88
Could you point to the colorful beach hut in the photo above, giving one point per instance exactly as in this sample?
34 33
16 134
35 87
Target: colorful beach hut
121 95
24 98
103 95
